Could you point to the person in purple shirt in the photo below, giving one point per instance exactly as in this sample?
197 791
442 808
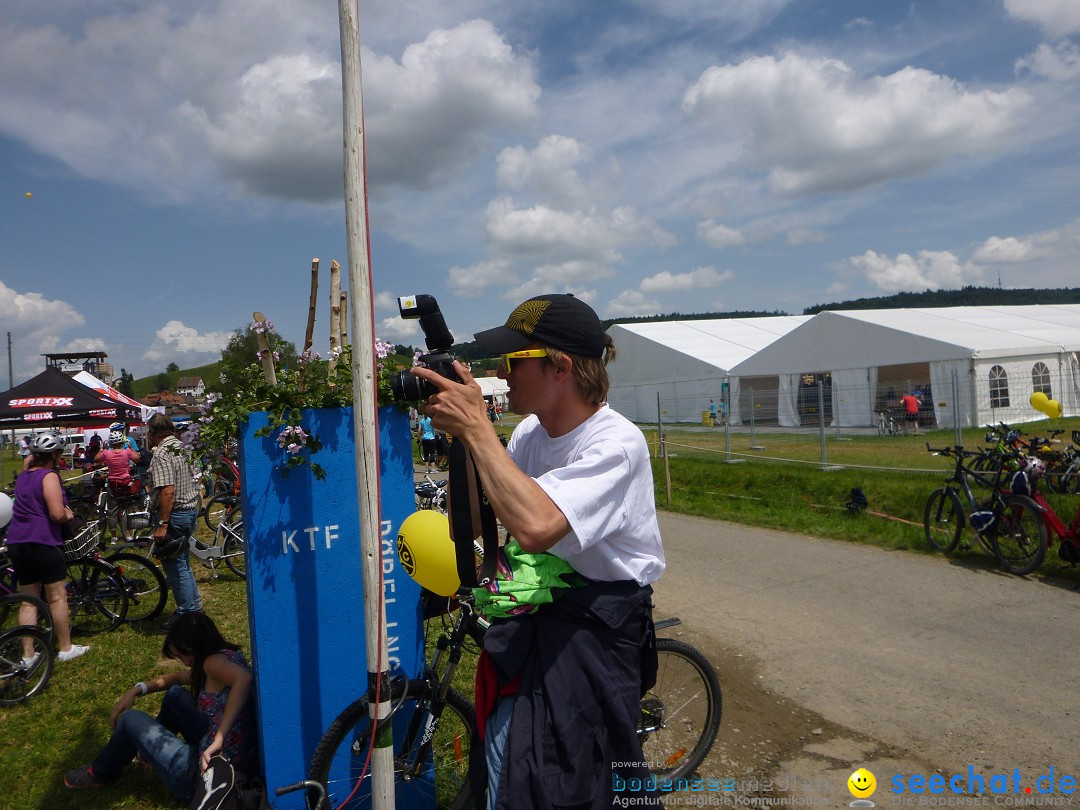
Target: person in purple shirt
34 542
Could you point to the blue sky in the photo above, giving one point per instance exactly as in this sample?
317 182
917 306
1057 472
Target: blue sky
647 155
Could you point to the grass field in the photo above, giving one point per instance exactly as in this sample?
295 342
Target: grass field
64 727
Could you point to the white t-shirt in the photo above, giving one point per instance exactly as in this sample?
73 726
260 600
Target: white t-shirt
600 478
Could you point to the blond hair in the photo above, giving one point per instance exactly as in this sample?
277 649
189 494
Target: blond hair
590 373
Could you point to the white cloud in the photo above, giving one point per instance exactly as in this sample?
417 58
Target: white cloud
548 170
399 330
250 95
1060 62
1058 18
1056 245
36 323
386 301
817 126
631 302
553 235
718 236
470 282
699 279
185 345
927 270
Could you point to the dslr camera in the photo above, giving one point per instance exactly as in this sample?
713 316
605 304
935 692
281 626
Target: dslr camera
407 387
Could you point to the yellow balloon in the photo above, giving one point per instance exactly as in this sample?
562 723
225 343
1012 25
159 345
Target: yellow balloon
1053 409
1038 400
29 195
427 552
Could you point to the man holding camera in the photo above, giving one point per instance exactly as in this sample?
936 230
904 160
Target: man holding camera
574 481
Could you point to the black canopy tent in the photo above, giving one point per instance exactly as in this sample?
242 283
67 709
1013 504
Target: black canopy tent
53 398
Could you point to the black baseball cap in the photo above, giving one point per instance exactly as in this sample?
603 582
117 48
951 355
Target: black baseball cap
558 320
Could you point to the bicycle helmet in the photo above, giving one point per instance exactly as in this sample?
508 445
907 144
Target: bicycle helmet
1035 467
427 552
170 546
6 506
116 438
45 443
1020 484
117 426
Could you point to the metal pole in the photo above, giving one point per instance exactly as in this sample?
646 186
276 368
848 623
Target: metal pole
365 403
821 421
753 426
958 436
727 420
663 448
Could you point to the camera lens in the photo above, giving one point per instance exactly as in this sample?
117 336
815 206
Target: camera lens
407 387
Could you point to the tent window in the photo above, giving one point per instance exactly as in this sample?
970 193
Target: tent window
1040 379
999 388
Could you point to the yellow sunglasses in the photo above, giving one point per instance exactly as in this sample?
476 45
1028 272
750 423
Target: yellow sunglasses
524 354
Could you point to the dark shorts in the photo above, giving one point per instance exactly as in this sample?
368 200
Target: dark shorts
911 417
36 562
428 447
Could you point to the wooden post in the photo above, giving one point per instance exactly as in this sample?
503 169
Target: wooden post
365 411
344 319
265 355
310 334
335 313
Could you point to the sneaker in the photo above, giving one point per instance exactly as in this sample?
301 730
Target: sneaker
75 651
82 778
29 661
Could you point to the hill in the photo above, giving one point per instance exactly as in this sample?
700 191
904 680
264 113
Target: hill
964 297
149 385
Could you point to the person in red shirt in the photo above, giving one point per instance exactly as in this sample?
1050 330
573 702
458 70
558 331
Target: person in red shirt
911 403
118 460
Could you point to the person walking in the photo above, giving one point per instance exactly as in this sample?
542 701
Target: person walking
214 715
712 413
427 444
561 683
35 544
176 501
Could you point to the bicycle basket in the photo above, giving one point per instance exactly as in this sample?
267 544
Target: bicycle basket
80 538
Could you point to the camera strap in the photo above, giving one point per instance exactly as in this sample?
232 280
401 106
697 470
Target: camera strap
471 517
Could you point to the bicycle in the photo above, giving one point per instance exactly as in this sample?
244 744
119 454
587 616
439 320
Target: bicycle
26 663
434 723
1006 524
431 494
886 424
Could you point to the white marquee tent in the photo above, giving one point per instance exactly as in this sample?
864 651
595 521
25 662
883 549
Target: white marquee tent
493 387
684 362
983 363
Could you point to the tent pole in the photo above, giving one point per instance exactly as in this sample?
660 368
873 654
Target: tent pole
365 404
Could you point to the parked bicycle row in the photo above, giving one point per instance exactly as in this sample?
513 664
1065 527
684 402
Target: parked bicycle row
87 554
1012 519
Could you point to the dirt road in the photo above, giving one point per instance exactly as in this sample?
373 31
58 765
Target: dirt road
834 656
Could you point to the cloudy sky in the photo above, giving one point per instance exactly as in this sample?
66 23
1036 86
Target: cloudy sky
185 160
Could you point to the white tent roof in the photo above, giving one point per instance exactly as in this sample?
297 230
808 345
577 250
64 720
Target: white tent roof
721 343
492 386
849 339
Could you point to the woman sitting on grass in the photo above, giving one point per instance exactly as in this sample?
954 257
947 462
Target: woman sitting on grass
214 717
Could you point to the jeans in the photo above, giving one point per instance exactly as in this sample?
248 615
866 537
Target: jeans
175 761
177 569
496 736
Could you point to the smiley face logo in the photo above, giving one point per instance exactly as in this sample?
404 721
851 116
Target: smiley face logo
861 783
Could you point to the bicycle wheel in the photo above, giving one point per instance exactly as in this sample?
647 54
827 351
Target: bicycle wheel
1019 535
216 508
9 612
340 756
97 599
230 535
943 520
680 715
26 662
144 584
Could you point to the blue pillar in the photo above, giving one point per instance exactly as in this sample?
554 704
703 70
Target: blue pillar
305 588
